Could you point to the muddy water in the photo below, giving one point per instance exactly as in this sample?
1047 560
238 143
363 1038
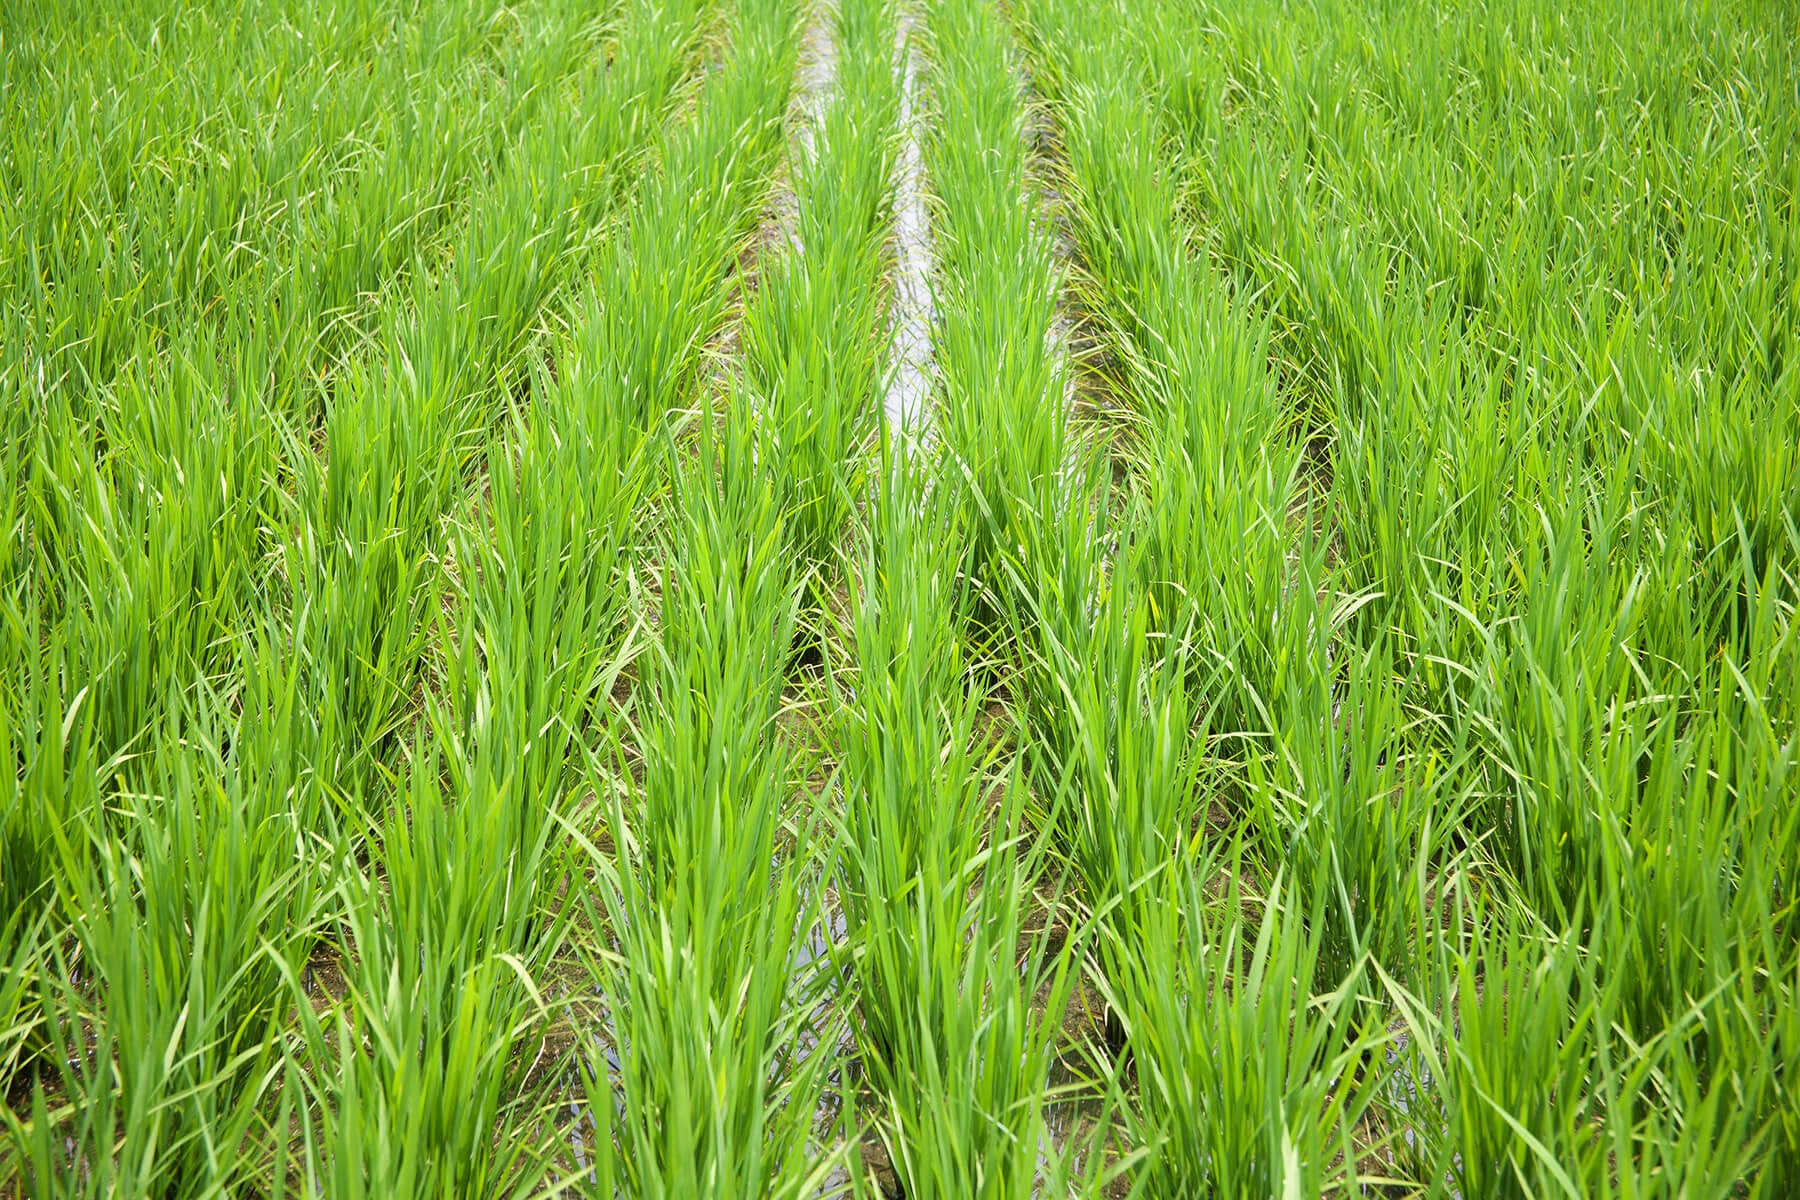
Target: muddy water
913 255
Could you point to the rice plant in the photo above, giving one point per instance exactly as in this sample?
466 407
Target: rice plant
1466 449
958 1001
1304 704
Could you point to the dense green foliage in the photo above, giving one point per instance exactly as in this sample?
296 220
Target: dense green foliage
491 709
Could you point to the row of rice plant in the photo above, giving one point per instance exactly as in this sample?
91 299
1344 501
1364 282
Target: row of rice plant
1173 640
116 561
959 996
528 672
118 529
405 426
163 1032
161 176
724 1026
1537 774
701 895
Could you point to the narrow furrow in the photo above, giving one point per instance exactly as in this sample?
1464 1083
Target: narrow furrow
910 354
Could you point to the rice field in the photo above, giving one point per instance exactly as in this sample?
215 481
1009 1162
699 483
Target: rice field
900 598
